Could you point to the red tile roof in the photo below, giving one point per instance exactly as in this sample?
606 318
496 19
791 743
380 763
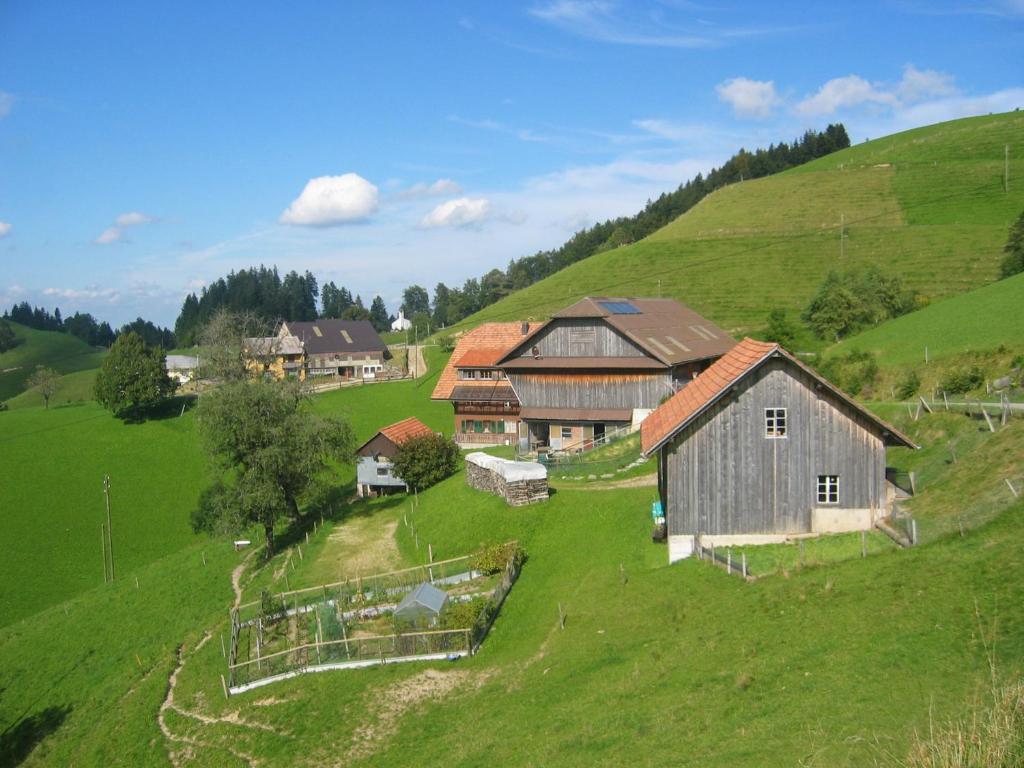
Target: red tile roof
489 342
718 378
405 430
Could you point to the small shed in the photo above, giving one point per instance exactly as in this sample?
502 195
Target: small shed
518 482
423 606
374 472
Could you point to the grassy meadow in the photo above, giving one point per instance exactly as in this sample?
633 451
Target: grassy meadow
926 204
982 319
61 351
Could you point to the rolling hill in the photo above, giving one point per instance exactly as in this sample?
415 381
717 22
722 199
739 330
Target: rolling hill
61 351
927 204
980 319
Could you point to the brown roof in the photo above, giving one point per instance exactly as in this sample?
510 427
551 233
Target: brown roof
668 331
324 337
493 394
575 363
402 431
490 340
577 414
719 378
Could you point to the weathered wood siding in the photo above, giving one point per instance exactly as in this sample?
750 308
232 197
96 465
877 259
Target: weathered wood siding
723 476
567 389
571 337
379 445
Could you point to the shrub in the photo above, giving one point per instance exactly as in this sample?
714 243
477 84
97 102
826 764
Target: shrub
960 380
423 461
271 610
780 329
463 615
908 386
493 559
852 372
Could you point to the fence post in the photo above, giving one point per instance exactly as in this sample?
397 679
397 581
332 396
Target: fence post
913 531
728 561
1012 489
744 565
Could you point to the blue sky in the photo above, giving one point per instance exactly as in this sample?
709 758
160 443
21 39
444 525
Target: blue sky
147 150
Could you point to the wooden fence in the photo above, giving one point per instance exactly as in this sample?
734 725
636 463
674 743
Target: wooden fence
732 566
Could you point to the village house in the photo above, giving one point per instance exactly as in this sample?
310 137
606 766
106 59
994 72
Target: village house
602 365
374 470
486 407
342 349
760 448
279 357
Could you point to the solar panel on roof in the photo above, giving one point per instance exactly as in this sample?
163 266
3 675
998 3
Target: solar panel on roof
619 307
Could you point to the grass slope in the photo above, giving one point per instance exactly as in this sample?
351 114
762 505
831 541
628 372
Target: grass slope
54 462
926 204
981 319
61 351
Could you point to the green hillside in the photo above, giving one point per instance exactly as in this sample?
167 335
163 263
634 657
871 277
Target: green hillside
927 204
61 351
981 319
54 462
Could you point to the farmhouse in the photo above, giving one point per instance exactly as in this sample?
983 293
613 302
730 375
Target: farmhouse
181 368
374 472
486 407
344 349
760 447
277 356
603 364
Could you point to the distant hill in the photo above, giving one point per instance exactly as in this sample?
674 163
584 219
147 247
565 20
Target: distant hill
926 204
978 320
61 351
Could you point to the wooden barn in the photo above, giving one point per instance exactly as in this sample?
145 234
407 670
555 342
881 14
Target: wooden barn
760 447
603 364
375 474
343 349
486 407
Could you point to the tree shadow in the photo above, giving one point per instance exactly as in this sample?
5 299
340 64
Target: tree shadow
20 738
171 408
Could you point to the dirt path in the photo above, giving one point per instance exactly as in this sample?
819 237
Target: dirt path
186 745
643 481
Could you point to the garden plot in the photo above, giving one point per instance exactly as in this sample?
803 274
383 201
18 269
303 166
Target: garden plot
435 611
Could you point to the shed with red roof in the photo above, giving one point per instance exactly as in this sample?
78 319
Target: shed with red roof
759 448
374 471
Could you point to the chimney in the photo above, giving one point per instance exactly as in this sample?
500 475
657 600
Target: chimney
525 328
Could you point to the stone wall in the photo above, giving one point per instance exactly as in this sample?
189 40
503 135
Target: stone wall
516 493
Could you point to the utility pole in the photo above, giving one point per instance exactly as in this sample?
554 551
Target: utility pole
842 236
110 540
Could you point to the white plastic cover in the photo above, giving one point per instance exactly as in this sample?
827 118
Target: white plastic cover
511 471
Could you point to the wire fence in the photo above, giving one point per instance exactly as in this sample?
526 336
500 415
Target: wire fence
265 634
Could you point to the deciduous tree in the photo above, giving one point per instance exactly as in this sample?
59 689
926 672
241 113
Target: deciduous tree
271 446
423 461
132 377
45 381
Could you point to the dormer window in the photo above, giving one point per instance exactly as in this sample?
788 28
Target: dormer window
774 422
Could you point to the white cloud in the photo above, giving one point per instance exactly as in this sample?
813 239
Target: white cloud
108 235
436 189
121 223
915 86
919 84
461 212
602 21
6 103
749 98
5 228
132 219
331 200
843 92
92 292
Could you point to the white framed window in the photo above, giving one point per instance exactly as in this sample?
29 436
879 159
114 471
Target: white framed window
567 433
828 489
774 422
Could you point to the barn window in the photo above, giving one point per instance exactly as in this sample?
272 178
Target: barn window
567 433
828 489
774 422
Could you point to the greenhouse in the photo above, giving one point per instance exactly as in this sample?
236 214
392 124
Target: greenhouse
423 606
